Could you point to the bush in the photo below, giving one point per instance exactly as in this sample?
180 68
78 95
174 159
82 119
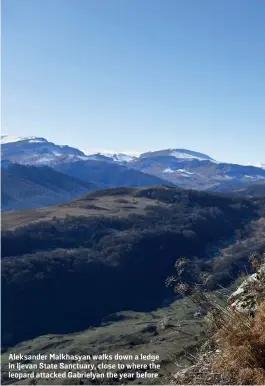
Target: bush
242 343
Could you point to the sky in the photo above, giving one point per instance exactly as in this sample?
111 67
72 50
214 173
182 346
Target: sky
137 75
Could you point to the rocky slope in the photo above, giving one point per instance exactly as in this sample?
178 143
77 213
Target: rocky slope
235 352
250 293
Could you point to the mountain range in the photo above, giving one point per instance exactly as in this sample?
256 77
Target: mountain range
175 167
193 170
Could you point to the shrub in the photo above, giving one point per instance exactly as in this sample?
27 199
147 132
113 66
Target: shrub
242 343
237 337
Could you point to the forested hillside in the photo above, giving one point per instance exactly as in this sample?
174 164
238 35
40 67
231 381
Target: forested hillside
63 274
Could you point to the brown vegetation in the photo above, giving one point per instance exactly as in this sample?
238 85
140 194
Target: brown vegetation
242 343
235 352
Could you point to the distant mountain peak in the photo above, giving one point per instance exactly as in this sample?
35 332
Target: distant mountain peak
108 155
11 138
38 151
179 153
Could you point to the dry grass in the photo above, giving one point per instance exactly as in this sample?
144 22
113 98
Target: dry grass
103 204
237 355
242 344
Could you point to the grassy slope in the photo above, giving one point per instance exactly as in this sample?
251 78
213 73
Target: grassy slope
174 332
135 333
92 204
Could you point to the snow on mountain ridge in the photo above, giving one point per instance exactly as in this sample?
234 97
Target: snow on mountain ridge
112 155
11 138
184 171
122 158
257 165
36 150
182 154
168 170
188 155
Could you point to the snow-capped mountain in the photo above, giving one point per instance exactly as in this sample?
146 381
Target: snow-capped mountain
9 139
190 169
97 170
37 151
181 167
179 154
113 156
121 158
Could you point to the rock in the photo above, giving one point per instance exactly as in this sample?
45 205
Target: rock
247 297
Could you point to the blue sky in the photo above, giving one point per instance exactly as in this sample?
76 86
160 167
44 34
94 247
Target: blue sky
137 74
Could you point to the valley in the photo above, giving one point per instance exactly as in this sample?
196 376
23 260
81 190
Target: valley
50 262
133 192
88 276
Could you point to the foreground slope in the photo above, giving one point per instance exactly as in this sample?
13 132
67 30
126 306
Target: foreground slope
235 351
65 268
